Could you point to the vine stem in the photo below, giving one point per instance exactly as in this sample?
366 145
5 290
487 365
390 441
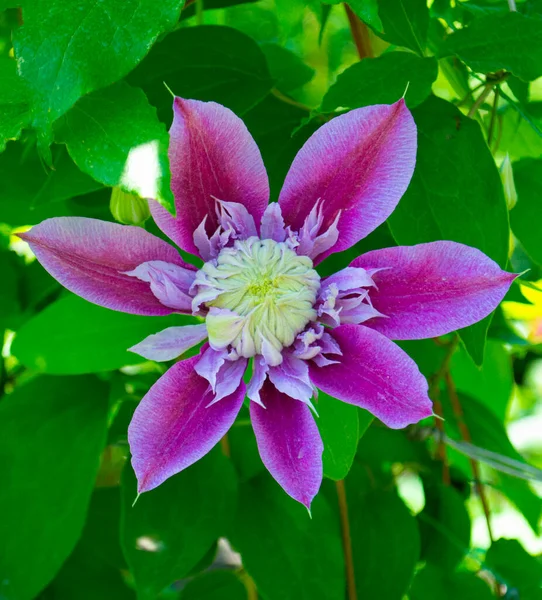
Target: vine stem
347 541
465 435
493 116
481 99
250 586
284 98
360 34
199 12
225 446
434 394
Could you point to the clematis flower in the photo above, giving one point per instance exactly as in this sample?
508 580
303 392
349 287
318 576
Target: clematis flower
263 304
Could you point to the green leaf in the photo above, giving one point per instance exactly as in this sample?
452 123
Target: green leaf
455 194
426 353
444 526
115 136
492 384
190 10
382 80
170 529
521 137
528 210
94 568
85 577
385 539
244 450
487 431
73 336
516 568
14 104
26 186
215 585
194 63
288 70
66 53
52 431
509 41
432 582
405 23
339 427
366 10
272 124
288 554
474 339
10 307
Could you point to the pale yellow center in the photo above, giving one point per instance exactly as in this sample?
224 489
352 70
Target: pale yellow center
268 293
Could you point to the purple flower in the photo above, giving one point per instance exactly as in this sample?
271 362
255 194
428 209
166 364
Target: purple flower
261 297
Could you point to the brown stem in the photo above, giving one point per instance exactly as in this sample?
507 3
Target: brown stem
434 394
360 34
465 435
441 449
347 541
225 446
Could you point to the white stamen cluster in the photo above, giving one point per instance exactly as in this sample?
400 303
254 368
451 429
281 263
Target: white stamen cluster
260 295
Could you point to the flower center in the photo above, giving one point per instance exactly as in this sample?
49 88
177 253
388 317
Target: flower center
260 294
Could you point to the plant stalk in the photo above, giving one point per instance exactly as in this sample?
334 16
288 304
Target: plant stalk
347 541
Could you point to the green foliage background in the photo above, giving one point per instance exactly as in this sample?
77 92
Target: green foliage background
82 106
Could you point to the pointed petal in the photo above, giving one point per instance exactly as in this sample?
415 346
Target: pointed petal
291 377
212 155
90 257
173 426
260 368
169 283
223 374
359 163
375 374
272 227
170 343
229 377
289 443
431 289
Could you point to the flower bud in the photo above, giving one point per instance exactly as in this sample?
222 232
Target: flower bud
128 208
507 178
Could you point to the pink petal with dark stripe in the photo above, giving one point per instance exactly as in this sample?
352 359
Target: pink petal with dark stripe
289 443
90 258
212 156
432 289
375 374
359 165
174 426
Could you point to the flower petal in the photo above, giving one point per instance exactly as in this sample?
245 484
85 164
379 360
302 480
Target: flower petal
272 227
359 163
174 426
431 289
291 377
170 343
169 283
375 374
212 156
289 443
90 257
223 373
